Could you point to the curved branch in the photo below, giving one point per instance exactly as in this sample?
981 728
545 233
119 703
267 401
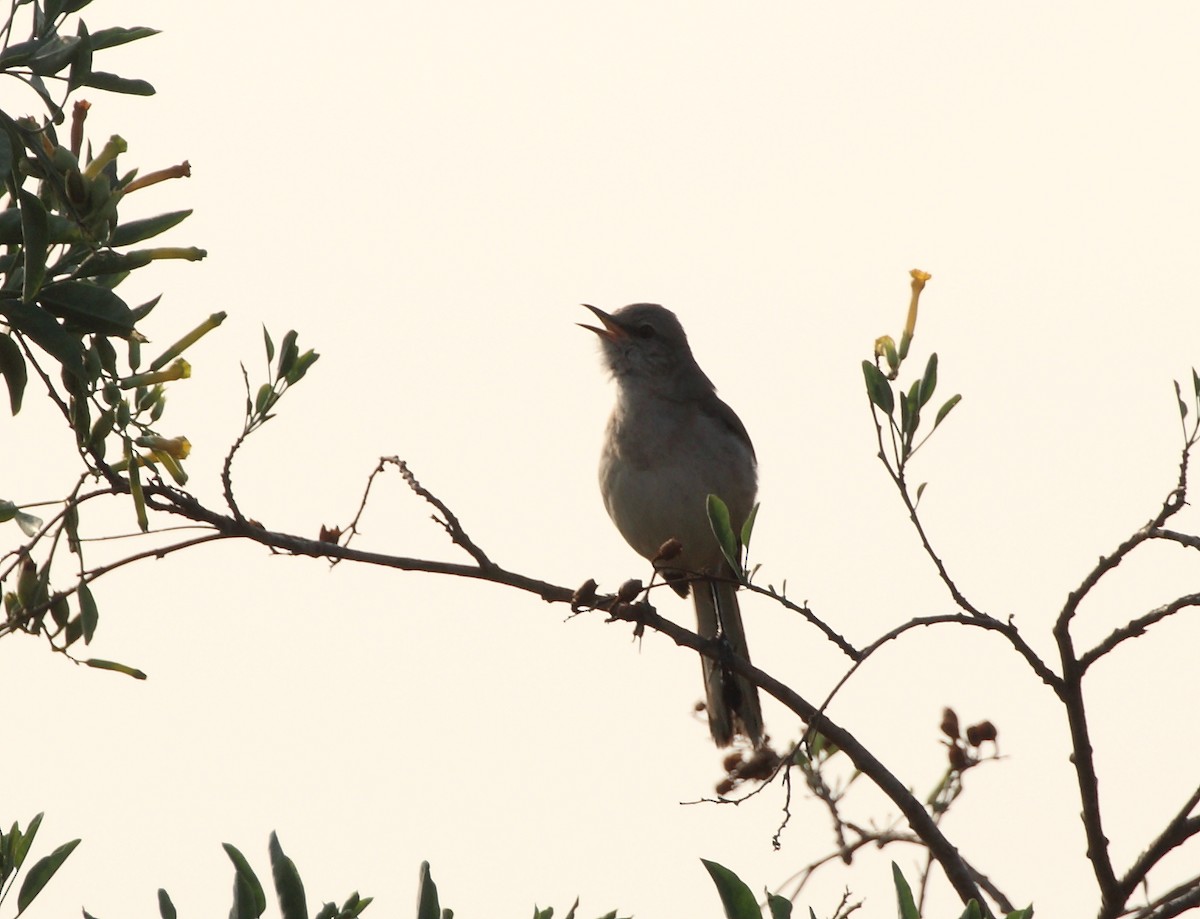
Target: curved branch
163 498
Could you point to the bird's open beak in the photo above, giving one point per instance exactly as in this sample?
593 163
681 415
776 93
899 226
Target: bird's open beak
612 329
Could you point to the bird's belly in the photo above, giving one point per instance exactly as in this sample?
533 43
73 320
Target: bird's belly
651 505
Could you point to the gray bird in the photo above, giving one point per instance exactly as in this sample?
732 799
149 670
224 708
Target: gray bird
670 443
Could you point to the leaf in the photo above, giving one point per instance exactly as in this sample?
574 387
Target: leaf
906 908
89 306
780 907
1196 382
166 908
12 365
54 55
748 526
945 409
878 388
99 664
288 887
270 345
427 896
35 235
1183 409
288 352
929 380
88 613
736 897
972 911
24 841
136 230
41 873
108 38
303 362
81 65
718 519
249 900
28 523
98 79
46 334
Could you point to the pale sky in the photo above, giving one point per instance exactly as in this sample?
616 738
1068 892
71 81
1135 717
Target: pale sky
427 192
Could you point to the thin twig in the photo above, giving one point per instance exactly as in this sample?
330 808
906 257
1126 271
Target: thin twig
1137 627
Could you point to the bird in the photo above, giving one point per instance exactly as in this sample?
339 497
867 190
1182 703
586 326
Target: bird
671 442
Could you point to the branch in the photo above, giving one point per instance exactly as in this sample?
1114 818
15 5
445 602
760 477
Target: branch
1073 667
1136 627
163 498
1181 828
957 872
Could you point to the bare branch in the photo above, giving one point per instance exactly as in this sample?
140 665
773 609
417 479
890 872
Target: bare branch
1182 827
1137 627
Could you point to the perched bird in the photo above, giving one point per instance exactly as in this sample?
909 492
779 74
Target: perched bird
670 443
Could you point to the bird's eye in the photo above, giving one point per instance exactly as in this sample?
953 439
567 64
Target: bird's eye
645 331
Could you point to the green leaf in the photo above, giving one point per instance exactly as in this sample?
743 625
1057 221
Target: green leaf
780 907
108 38
303 362
28 523
929 380
1026 913
1183 409
115 667
878 388
718 519
88 613
41 873
136 230
18 54
36 234
23 842
54 55
748 526
60 610
945 409
47 334
81 65
288 352
166 908
1196 382
89 306
427 895
109 263
249 900
8 510
12 365
736 897
907 908
98 79
972 911
270 345
288 887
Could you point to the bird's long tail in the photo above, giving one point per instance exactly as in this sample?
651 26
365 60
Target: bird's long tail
732 700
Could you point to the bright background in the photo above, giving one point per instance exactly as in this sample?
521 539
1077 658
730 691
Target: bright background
426 192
